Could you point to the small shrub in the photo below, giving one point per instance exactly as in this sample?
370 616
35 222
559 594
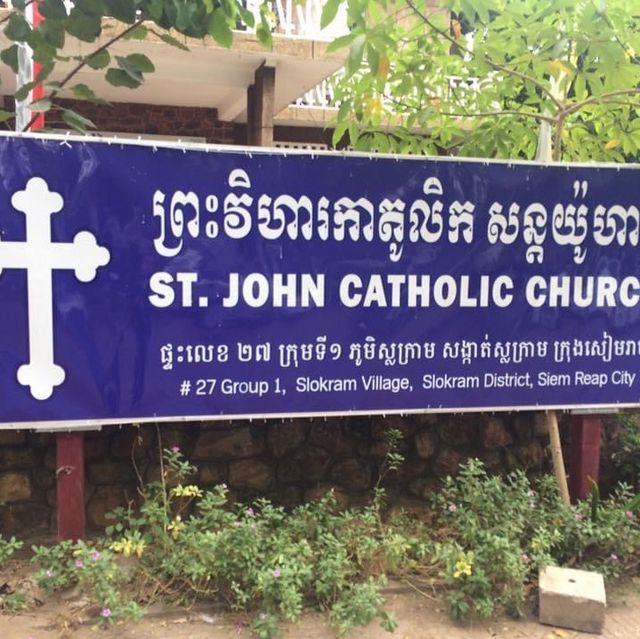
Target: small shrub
8 548
497 533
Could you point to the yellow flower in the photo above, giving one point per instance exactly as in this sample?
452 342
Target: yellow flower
176 527
187 491
464 566
128 547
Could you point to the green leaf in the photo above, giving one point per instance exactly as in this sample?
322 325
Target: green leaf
23 92
263 33
77 121
120 78
17 28
41 106
340 42
83 92
52 9
53 33
139 33
246 16
83 26
136 64
6 115
339 131
329 12
219 28
99 60
10 57
355 54
170 40
123 10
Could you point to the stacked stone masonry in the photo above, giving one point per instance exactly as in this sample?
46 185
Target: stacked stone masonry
288 461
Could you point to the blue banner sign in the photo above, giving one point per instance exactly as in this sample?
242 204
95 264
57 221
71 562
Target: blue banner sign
143 282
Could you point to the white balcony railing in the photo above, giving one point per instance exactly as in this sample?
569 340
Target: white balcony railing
322 96
288 18
301 19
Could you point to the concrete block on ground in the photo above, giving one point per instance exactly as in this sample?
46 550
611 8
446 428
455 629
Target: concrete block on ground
573 599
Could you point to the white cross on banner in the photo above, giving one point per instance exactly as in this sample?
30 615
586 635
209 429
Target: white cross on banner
40 256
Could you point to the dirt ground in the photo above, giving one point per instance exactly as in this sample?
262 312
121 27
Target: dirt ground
419 618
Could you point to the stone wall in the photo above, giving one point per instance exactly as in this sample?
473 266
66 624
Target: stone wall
288 461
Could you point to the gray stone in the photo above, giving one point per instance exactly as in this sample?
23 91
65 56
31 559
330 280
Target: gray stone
333 436
132 441
540 425
104 500
212 473
573 599
308 465
530 456
24 519
353 474
406 425
458 431
425 444
12 437
11 458
251 474
447 463
110 472
44 478
96 448
495 433
320 490
14 487
232 443
285 437
424 487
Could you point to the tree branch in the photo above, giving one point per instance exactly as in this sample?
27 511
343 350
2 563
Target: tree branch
600 99
83 64
481 114
495 65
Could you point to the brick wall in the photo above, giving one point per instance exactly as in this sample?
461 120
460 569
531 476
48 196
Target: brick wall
151 119
288 461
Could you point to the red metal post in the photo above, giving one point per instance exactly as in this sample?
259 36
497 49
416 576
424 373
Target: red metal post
70 480
38 90
586 431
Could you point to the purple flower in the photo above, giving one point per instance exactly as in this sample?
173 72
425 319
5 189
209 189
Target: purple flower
95 555
106 613
237 524
275 573
579 516
79 563
630 515
175 449
49 573
524 556
613 557
452 508
531 493
250 512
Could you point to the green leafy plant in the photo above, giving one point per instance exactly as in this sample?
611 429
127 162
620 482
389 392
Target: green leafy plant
482 78
496 533
626 455
185 544
8 548
103 24
95 569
